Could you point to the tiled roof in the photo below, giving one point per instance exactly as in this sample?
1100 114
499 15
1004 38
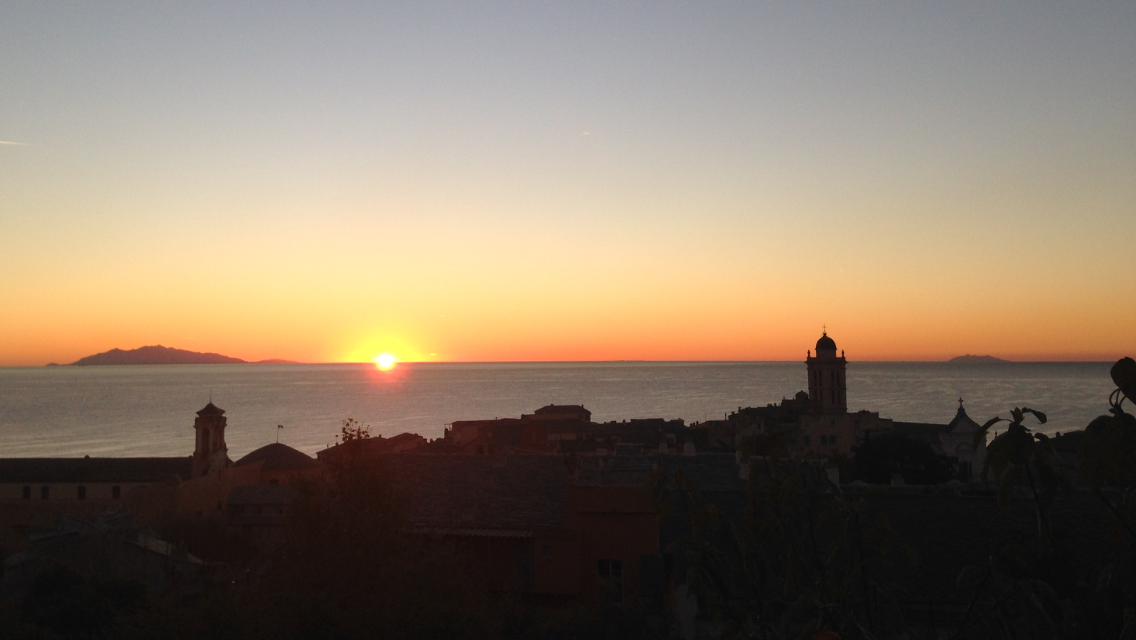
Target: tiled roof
77 470
260 495
568 425
709 471
921 431
483 492
371 446
555 409
609 500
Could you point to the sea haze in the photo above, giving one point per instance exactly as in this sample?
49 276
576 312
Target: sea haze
149 410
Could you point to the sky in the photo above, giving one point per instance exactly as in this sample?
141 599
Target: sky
525 181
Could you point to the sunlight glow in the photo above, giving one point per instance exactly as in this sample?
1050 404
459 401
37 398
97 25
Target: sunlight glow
385 361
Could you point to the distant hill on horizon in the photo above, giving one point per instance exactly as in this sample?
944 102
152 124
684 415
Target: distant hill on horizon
969 359
156 354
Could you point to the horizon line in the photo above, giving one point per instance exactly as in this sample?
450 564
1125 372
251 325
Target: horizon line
619 361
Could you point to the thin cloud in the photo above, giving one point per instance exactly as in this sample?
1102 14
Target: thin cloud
14 144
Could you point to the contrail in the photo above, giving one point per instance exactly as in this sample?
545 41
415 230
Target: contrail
15 144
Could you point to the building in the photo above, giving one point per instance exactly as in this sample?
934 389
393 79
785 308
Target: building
559 412
828 387
111 546
34 491
827 427
954 439
526 527
208 493
498 436
377 445
210 454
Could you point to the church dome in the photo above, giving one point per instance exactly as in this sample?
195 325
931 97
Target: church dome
826 344
278 457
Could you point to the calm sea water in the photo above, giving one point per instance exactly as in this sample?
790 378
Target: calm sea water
149 410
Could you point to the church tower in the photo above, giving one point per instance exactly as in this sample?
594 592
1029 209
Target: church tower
827 387
211 454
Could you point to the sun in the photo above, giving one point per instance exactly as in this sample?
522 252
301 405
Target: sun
385 361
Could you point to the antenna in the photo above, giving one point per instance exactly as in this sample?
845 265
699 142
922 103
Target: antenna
278 428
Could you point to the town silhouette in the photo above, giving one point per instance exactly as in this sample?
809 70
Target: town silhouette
796 519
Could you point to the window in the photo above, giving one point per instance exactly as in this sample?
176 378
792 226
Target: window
611 571
44 492
27 493
82 492
808 440
116 492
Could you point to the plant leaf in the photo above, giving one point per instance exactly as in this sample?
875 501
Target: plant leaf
1124 375
980 435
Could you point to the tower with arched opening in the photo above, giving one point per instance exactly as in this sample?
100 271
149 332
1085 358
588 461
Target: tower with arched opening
210 453
827 386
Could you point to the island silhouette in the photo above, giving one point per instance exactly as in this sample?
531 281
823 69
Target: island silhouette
157 354
969 359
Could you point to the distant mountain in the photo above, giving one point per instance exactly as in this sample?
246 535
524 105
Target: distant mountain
156 354
969 359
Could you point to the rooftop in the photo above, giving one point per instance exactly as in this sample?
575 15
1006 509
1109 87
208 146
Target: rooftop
514 492
80 470
279 457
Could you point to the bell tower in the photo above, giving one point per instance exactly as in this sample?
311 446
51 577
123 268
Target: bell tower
827 387
210 454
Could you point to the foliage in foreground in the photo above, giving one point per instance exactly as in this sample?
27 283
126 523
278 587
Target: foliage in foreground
1036 589
803 561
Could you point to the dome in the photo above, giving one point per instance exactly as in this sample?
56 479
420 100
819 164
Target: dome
279 457
826 344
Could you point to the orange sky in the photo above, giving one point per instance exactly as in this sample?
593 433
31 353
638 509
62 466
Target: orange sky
572 183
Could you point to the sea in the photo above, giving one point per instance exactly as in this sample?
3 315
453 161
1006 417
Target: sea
148 410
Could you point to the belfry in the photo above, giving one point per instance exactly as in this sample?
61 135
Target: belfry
210 454
827 386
